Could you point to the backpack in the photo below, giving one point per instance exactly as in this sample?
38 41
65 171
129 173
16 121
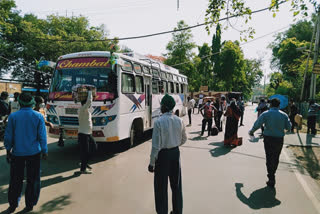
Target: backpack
208 111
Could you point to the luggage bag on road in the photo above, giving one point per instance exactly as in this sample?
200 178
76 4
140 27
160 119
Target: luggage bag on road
214 131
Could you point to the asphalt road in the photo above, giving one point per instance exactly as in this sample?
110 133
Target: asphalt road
215 179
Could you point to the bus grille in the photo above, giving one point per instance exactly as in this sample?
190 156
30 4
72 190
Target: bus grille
73 121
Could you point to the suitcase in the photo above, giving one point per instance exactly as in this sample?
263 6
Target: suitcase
214 131
237 142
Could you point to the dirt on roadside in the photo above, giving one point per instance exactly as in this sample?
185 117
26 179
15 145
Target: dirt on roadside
309 158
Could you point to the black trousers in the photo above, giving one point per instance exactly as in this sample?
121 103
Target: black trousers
312 124
217 120
87 147
168 166
241 117
189 115
204 123
272 147
32 192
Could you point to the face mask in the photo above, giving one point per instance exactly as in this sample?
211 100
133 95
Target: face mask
42 105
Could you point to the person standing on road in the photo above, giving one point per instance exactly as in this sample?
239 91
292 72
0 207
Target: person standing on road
168 134
207 116
25 140
189 107
85 132
293 112
275 122
231 130
39 108
4 107
312 117
241 107
262 107
200 102
194 104
14 105
218 113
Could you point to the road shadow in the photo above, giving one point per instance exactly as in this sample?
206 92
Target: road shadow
261 198
56 204
66 159
198 138
220 149
198 132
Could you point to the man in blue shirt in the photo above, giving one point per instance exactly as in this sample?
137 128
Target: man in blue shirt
275 122
25 140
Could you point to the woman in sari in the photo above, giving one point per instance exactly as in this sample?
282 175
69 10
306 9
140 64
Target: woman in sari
231 131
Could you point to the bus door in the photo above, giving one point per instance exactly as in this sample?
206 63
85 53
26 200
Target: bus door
148 103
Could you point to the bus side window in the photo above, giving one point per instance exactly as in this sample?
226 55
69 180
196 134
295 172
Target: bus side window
155 89
139 84
181 88
171 87
177 88
127 83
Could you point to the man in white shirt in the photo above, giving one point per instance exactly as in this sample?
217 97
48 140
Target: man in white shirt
84 132
200 102
189 107
168 134
14 105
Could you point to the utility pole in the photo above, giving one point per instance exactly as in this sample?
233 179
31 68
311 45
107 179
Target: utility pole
315 59
307 64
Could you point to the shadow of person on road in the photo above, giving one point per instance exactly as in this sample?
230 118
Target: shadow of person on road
220 149
260 198
198 138
61 160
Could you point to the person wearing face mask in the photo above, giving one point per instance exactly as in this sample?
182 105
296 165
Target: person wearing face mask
207 116
39 107
275 122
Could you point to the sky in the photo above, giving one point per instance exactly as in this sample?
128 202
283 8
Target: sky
125 18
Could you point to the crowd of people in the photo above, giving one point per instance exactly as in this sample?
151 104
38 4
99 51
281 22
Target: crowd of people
26 140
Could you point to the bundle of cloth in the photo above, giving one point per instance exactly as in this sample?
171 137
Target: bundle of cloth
80 92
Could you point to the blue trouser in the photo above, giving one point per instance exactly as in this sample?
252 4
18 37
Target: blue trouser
32 192
168 166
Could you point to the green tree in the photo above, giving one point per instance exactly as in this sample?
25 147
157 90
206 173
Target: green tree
204 67
215 58
179 50
220 9
24 40
290 61
232 62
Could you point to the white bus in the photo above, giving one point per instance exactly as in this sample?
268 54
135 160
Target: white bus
129 90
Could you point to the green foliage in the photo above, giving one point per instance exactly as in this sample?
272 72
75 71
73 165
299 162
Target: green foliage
290 61
218 9
179 50
27 39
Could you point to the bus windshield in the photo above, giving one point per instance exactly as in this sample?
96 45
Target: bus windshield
65 78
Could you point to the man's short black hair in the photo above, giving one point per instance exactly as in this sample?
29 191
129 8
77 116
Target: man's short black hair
26 98
275 102
4 94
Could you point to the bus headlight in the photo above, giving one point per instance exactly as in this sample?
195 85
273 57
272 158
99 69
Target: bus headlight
53 119
103 121
94 121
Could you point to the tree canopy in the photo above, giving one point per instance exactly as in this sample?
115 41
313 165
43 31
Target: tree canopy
26 39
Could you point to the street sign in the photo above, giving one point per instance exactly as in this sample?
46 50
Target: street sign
204 88
316 69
